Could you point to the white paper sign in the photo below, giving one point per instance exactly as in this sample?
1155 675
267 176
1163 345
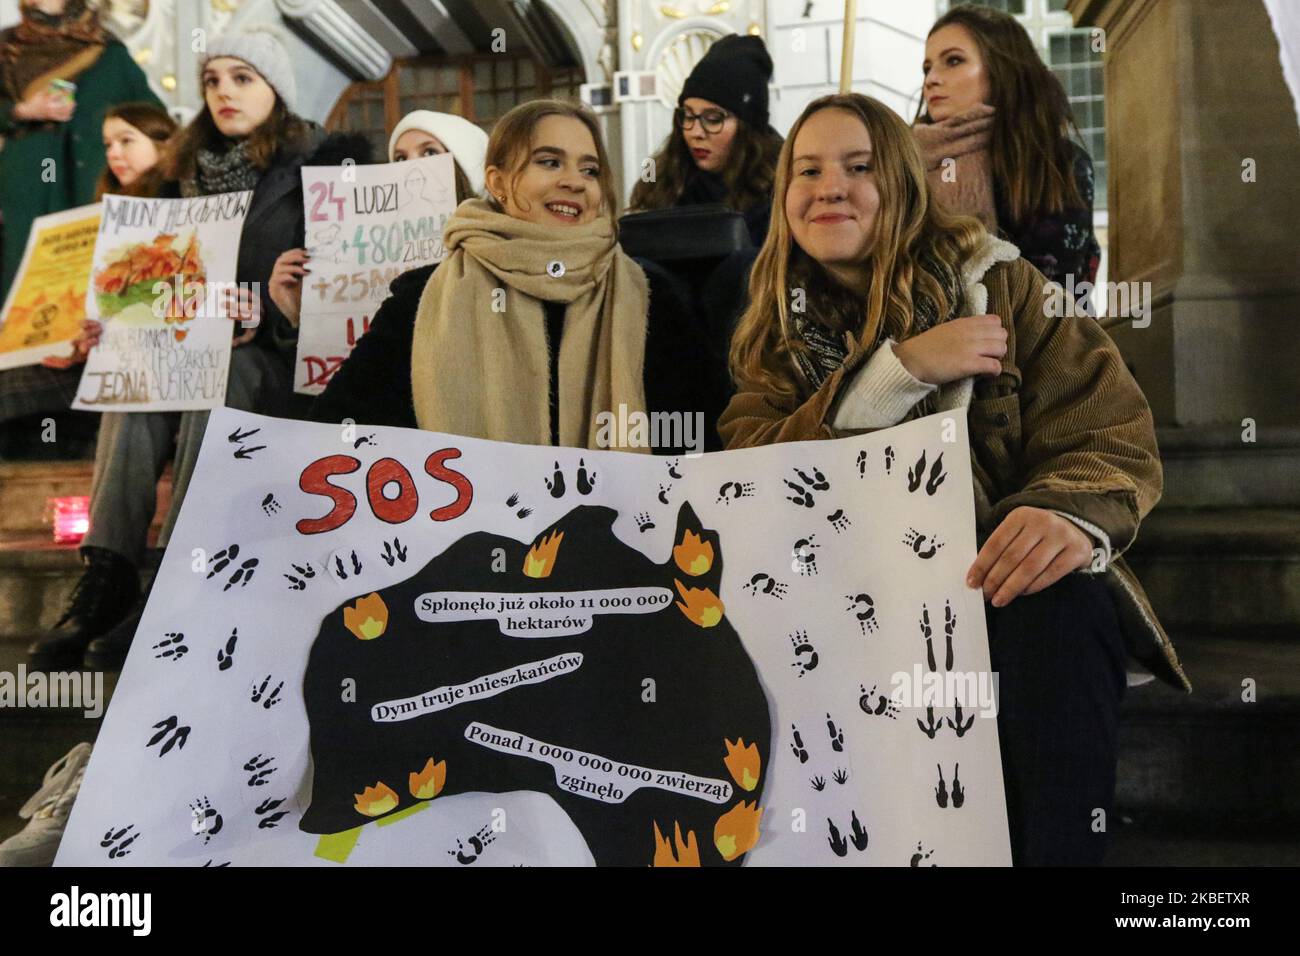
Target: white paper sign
160 268
366 225
387 646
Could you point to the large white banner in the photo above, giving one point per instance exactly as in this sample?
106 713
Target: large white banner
385 646
160 269
365 226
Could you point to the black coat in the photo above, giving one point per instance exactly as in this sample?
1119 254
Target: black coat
373 386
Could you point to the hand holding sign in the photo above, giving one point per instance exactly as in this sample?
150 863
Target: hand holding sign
285 287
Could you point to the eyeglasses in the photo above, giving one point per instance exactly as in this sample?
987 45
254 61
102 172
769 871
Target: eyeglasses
711 120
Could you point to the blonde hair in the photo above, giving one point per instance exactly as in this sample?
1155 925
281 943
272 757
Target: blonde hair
508 146
909 231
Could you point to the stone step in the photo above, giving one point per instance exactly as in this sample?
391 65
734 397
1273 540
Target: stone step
36 580
1224 753
1226 571
1210 467
27 487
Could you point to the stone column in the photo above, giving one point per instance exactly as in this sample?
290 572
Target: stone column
1204 156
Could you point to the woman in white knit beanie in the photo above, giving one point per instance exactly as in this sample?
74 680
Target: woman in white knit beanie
426 133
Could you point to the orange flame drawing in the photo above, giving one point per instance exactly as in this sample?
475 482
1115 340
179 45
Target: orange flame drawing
687 852
368 618
702 606
540 561
693 556
427 784
736 831
376 801
743 763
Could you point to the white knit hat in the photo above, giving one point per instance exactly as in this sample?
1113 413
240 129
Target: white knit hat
465 141
263 52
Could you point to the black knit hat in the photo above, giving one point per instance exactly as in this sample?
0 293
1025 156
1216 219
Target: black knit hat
733 73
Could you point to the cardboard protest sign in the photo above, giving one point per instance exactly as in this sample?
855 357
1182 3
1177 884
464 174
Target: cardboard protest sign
160 269
47 301
387 646
366 225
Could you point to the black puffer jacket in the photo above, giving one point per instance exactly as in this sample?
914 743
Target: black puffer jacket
373 387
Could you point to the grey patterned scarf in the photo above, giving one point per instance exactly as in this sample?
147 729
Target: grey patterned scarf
824 350
222 172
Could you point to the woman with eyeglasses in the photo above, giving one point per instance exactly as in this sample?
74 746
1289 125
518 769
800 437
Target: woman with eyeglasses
721 149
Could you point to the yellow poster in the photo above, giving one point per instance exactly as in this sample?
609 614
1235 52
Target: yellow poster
47 301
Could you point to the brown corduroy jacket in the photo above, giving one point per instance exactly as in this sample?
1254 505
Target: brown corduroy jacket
1063 427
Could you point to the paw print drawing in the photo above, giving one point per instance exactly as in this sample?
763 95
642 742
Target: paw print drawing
803 559
298 581
663 493
730 491
766 584
818 783
393 553
878 705
206 821
261 696
836 734
796 745
857 836
864 609
260 768
839 520
268 813
949 626
921 855
475 845
805 655
555 484
927 635
116 841
889 459
512 501
585 481
175 734
227 556
931 726
959 726
643 522
862 464
171 647
802 494
840 776
270 505
341 570
226 655
917 473
673 465
923 546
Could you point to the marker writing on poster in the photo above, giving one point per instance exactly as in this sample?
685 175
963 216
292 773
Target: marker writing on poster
593 776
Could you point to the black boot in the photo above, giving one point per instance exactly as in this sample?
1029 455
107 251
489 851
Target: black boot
108 653
106 593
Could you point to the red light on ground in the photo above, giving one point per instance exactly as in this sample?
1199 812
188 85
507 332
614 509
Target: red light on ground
71 518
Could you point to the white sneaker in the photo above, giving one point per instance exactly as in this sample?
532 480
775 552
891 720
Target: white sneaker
47 810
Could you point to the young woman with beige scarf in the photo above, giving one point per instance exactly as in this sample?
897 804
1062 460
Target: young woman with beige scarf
536 322
909 311
994 127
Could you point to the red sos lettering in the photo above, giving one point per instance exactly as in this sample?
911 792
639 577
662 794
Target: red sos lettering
315 480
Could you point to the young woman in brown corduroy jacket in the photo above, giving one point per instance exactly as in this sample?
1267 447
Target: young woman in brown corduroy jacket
911 311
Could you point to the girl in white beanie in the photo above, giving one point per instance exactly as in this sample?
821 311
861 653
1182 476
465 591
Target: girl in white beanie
426 133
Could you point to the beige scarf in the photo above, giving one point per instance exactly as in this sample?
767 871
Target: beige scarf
965 185
480 363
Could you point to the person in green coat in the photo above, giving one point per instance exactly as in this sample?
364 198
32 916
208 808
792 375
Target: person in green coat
57 40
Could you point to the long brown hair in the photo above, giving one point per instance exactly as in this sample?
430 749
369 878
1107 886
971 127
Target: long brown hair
749 174
1033 162
279 131
508 146
156 123
909 234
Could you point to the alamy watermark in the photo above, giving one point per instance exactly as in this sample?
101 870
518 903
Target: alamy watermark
1122 300
72 690
972 690
635 429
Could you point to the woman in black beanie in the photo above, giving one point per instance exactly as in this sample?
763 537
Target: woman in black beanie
722 149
